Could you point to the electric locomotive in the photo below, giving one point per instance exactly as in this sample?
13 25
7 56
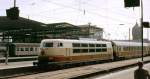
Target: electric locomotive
65 50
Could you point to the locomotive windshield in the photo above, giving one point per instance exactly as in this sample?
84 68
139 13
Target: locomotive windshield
47 44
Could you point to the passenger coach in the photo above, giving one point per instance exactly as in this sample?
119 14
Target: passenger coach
129 49
24 49
64 50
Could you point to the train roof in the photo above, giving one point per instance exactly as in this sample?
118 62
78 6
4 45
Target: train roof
74 41
129 43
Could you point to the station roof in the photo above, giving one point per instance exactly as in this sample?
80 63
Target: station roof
21 23
62 25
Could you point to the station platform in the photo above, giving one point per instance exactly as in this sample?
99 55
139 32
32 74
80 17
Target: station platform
18 59
79 72
11 65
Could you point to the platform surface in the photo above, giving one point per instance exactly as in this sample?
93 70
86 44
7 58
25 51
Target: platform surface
15 64
79 71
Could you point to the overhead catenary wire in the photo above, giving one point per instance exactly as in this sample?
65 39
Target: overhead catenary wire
100 15
80 10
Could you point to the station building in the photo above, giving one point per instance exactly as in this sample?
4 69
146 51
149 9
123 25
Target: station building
91 31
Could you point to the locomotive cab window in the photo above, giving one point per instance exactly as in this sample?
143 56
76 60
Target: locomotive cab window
48 44
60 44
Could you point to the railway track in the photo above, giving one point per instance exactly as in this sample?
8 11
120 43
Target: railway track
31 70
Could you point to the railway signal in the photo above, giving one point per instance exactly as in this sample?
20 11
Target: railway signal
132 3
146 25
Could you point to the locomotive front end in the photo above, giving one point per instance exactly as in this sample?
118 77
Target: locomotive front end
45 52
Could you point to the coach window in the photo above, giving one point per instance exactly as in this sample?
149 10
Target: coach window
22 49
17 48
35 48
31 49
26 49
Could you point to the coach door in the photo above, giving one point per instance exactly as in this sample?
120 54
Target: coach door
67 52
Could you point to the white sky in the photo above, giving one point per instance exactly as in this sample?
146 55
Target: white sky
108 14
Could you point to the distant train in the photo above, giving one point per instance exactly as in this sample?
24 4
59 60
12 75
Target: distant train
20 49
65 50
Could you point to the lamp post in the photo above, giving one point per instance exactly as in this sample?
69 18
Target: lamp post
142 28
7 46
